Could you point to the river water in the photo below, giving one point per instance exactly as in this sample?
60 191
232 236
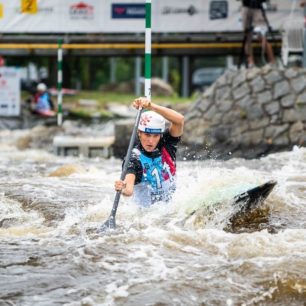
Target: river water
50 253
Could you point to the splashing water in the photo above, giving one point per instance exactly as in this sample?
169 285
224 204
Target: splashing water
50 254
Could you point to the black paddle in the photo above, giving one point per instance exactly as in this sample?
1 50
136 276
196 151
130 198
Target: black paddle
111 222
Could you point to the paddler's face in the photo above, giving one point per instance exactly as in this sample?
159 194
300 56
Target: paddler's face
148 141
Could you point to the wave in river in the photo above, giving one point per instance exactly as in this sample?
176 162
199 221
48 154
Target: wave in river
51 255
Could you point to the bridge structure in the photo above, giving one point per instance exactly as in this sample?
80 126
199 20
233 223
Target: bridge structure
127 44
185 47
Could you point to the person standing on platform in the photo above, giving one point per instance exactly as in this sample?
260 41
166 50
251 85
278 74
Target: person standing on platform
254 21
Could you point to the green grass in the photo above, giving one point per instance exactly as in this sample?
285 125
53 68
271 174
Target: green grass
71 102
110 97
102 98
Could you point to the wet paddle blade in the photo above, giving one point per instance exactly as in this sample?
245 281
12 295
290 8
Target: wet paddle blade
110 224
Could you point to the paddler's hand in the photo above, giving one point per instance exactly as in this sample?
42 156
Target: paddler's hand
142 102
120 185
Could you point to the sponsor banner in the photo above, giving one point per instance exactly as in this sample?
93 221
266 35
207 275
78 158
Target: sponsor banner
216 15
43 21
128 10
183 16
53 16
9 91
127 16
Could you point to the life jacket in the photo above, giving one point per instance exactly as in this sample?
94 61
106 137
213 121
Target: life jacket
42 102
158 178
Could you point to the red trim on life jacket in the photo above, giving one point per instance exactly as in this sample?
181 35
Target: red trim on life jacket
166 158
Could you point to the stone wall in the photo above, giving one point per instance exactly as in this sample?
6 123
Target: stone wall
248 113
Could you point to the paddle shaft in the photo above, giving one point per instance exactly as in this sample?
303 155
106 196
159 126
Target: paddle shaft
125 165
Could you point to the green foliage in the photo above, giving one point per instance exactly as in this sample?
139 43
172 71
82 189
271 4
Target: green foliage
125 69
175 80
86 114
103 98
210 61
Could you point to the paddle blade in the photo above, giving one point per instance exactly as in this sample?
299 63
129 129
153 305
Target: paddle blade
110 224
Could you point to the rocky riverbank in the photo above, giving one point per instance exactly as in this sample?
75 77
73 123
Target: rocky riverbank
248 113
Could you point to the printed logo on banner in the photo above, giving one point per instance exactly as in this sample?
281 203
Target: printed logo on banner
127 10
29 6
81 10
218 9
47 10
191 10
1 10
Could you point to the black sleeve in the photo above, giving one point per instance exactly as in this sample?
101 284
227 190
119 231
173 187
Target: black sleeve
135 167
170 143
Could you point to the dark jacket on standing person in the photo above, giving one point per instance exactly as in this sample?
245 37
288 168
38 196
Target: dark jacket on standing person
254 4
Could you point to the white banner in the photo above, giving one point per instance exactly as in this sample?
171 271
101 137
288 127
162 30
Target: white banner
10 90
127 16
53 16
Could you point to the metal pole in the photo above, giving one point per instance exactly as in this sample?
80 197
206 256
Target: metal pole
185 81
113 65
229 61
59 83
137 76
165 67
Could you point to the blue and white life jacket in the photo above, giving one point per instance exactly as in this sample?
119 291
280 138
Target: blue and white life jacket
158 178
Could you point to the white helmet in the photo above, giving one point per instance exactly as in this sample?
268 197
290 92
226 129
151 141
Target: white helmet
41 87
152 123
